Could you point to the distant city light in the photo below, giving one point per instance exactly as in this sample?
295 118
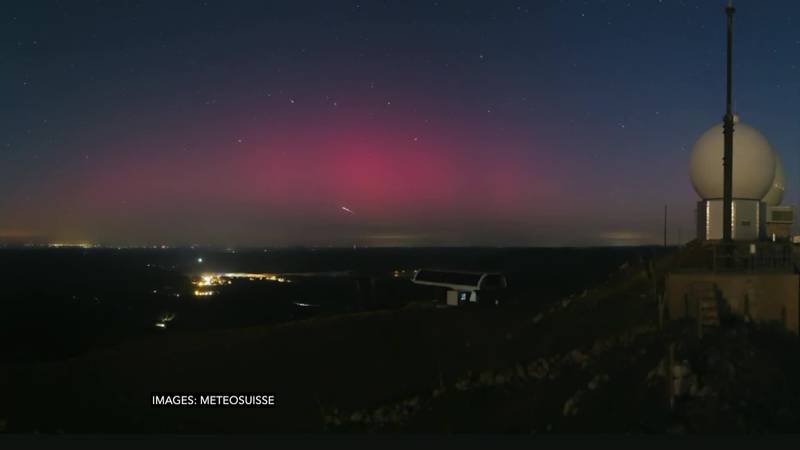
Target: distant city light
206 280
70 245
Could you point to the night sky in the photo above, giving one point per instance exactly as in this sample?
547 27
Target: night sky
376 122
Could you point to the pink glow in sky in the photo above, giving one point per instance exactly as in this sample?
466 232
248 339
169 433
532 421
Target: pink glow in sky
270 183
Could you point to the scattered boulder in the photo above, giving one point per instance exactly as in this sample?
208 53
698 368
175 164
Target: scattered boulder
703 392
521 373
683 380
571 405
656 375
577 358
486 378
597 381
538 369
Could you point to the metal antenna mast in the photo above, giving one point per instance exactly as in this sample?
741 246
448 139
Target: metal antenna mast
727 161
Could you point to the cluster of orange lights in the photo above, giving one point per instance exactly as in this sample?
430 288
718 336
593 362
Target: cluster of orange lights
208 280
403 273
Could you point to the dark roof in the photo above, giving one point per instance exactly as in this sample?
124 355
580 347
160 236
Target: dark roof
436 276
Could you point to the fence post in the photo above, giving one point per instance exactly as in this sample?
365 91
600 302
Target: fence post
699 319
670 362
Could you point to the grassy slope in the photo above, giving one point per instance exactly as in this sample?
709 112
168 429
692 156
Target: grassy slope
334 367
347 362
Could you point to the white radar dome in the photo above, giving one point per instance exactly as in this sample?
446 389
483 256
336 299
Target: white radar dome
753 163
775 194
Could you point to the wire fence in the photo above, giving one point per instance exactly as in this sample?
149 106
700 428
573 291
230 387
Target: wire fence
760 256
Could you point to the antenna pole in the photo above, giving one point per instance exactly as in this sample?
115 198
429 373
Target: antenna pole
727 161
665 226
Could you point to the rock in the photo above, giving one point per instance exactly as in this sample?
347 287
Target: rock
333 420
577 358
538 369
703 392
693 387
571 405
656 375
598 348
597 381
520 372
682 378
462 384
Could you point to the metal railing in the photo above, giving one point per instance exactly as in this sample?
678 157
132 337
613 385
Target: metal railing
756 256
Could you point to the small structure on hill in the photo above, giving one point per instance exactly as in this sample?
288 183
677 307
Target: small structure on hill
464 287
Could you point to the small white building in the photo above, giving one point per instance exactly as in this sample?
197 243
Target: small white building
464 287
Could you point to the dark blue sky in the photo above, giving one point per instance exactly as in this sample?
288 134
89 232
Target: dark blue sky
436 122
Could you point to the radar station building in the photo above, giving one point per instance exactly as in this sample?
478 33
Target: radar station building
758 186
755 275
742 264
